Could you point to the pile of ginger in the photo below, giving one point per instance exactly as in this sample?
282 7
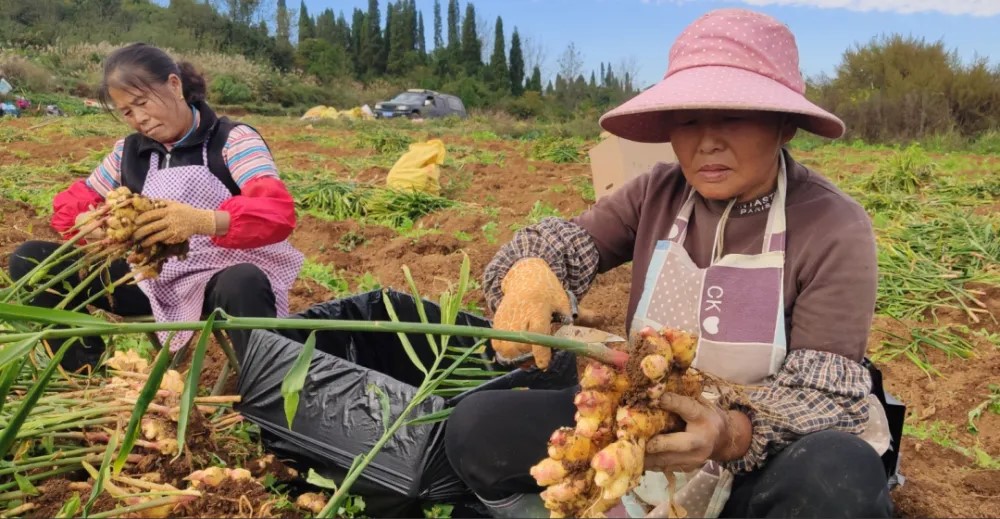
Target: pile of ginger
592 465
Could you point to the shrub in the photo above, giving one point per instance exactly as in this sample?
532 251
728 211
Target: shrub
296 94
227 89
24 74
527 106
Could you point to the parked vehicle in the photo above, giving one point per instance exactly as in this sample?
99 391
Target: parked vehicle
421 104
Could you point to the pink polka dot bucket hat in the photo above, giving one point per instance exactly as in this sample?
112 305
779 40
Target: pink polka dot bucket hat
731 59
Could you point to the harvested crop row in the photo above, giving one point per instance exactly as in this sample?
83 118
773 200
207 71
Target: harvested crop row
590 467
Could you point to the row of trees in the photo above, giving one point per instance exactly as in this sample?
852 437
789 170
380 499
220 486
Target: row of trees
451 49
454 51
891 88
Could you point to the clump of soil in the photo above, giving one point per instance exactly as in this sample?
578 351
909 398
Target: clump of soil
234 499
201 451
56 492
271 465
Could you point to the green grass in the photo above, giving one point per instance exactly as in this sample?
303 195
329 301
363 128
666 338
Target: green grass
366 283
138 343
70 105
990 405
337 200
490 230
585 187
554 149
382 140
932 245
538 212
904 172
350 241
950 340
943 434
325 276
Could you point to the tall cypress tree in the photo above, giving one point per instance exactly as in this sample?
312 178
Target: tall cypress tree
499 73
454 43
343 31
306 28
390 54
374 56
438 39
516 65
535 83
326 26
421 40
413 25
358 30
471 47
283 24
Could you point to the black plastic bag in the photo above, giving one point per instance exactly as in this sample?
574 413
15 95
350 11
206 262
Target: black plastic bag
895 412
340 415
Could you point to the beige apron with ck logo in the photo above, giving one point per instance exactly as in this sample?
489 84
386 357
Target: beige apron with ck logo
736 308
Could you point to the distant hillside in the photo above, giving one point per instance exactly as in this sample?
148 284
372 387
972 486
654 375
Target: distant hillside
270 57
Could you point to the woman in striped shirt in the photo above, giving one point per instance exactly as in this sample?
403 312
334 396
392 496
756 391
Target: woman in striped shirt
223 195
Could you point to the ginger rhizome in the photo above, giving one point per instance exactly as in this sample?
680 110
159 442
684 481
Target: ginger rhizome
118 215
592 465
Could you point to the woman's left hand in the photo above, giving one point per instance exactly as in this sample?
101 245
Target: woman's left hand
174 223
711 434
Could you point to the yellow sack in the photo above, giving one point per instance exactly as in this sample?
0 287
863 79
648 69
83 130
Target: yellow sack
315 112
417 169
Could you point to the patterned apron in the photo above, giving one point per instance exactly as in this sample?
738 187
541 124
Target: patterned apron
178 294
736 308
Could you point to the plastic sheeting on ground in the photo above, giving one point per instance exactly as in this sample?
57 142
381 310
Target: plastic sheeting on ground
340 417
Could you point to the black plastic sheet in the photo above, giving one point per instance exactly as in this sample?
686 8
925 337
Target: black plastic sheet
340 415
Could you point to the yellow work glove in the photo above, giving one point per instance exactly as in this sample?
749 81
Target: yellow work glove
532 296
174 223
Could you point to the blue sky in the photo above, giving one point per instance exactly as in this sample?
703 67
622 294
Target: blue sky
640 31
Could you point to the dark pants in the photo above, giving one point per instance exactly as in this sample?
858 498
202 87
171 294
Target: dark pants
494 437
241 290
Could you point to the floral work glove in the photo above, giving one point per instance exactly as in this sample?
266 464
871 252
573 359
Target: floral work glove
174 223
532 297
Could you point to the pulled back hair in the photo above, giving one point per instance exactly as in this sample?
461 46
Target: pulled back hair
141 67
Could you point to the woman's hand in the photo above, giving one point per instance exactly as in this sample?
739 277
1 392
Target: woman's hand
176 222
532 296
712 433
90 226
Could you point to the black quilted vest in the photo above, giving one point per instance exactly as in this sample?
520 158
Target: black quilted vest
139 148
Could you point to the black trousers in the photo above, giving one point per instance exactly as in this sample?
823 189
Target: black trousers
494 437
241 290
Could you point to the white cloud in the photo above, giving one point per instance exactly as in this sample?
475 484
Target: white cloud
953 7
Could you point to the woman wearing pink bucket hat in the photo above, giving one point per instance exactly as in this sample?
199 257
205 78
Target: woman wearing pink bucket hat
769 264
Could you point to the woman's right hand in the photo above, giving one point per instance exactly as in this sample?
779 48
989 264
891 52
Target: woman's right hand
90 227
532 296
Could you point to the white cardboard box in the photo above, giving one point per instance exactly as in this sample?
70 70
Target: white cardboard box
614 161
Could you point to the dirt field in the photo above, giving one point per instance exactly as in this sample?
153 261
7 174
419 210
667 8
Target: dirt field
941 479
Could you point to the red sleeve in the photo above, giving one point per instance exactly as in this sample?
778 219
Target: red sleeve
67 205
262 215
